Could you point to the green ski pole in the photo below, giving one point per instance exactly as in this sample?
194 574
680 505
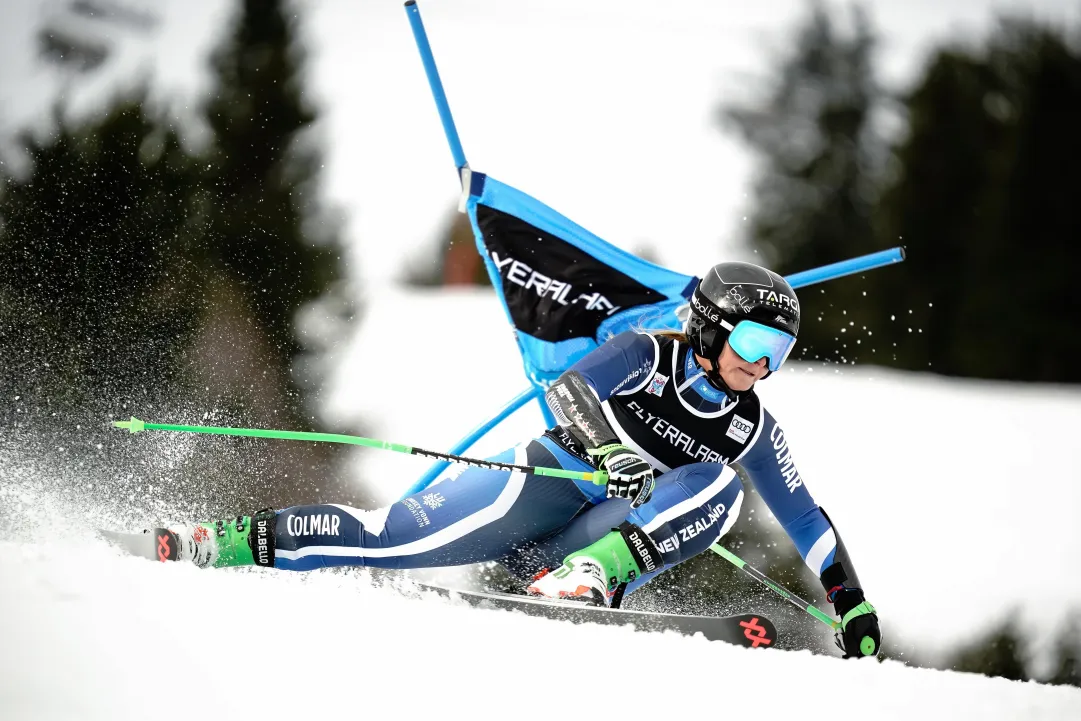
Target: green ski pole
135 425
774 586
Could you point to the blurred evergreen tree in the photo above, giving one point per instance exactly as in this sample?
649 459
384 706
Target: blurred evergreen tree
1067 661
134 275
999 653
821 161
273 245
984 200
814 195
980 193
94 272
273 253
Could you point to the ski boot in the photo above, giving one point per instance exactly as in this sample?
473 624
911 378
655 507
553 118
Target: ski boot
594 574
217 544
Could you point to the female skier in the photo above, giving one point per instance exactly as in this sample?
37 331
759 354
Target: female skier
665 414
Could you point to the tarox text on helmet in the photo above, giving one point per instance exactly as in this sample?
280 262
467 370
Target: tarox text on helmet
735 293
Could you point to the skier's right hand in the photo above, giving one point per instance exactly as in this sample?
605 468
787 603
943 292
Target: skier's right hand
628 475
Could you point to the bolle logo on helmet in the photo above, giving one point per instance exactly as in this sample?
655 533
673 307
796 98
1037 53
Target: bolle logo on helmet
772 297
740 298
708 313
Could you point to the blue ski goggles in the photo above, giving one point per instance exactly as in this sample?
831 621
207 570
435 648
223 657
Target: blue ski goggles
753 341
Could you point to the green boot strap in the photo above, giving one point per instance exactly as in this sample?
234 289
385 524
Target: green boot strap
614 556
232 538
867 644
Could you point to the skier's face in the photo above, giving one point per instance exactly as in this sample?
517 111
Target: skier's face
738 374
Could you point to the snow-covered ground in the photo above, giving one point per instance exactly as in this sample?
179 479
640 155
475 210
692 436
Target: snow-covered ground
87 634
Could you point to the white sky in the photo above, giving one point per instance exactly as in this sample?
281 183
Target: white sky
601 109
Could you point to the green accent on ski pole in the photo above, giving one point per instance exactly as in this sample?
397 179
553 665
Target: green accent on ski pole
728 555
135 426
774 586
599 478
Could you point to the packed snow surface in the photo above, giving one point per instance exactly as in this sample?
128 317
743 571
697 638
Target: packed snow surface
89 634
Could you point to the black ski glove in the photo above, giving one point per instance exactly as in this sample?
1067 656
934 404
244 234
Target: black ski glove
628 475
859 634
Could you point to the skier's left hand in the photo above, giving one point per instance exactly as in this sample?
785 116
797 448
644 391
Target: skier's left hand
859 634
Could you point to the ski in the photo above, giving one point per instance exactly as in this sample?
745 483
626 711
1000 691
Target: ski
156 544
748 629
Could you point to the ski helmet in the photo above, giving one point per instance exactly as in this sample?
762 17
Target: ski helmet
757 301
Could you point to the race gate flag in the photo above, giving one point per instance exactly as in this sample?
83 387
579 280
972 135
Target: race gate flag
564 289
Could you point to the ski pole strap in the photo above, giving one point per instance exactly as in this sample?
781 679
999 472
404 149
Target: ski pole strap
774 586
137 426
605 449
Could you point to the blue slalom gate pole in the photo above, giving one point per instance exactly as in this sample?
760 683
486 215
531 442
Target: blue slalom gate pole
475 435
846 267
432 72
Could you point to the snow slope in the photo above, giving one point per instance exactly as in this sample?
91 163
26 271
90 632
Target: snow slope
87 634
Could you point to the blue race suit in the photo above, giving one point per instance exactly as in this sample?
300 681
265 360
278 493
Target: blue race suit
657 400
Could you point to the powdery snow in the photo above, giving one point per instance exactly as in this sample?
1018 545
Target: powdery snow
88 634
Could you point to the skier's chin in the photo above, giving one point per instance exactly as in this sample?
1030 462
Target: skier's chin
739 380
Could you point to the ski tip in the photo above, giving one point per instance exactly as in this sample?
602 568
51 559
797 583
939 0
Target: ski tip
134 425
